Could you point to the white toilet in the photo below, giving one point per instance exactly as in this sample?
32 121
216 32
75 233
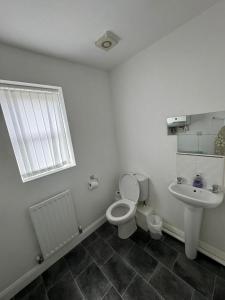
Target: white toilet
133 188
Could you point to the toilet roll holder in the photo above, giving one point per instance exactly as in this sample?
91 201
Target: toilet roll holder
93 182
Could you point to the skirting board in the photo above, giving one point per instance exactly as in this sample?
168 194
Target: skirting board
28 277
204 248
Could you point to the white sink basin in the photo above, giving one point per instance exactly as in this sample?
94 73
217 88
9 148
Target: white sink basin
195 196
195 201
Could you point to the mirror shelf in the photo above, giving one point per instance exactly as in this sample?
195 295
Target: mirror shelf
199 154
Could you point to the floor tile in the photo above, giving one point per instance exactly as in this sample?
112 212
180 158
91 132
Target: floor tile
221 273
139 289
106 267
100 251
90 239
141 237
106 230
198 296
78 259
112 294
219 292
65 289
211 265
199 278
34 291
141 261
93 283
119 245
174 243
170 286
118 272
55 272
162 252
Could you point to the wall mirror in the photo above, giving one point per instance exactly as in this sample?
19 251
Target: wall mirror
199 134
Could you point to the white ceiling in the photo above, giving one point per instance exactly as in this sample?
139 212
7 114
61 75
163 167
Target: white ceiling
69 28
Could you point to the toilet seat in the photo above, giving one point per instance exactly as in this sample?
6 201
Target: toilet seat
125 216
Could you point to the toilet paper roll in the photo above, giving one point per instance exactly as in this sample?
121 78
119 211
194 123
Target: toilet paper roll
92 184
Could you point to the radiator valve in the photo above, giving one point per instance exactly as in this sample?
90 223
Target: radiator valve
40 259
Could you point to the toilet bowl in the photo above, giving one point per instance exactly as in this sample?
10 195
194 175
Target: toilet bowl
133 188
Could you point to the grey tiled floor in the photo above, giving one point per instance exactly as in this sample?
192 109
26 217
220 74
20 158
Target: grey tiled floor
106 267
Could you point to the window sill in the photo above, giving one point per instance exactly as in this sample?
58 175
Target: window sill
49 172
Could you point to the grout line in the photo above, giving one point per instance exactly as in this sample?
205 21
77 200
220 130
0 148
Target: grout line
116 252
205 268
43 282
107 290
175 260
37 285
89 244
100 266
77 284
161 265
128 251
95 262
133 268
195 263
85 268
48 288
156 291
161 262
149 283
174 247
158 266
129 284
52 285
109 280
214 286
137 273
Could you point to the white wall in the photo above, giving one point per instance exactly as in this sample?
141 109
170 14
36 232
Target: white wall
181 74
87 99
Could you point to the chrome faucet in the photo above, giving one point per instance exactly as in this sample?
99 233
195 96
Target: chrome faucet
215 188
180 180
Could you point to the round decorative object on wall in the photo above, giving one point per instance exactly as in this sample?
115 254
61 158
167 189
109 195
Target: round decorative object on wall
220 142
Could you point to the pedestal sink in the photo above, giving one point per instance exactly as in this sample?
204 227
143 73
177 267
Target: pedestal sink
195 200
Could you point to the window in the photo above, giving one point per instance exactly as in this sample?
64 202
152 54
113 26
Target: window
36 119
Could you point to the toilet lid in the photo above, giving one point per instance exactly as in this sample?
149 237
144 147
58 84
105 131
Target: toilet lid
129 187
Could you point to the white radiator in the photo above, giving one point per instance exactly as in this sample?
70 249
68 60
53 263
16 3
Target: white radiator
55 222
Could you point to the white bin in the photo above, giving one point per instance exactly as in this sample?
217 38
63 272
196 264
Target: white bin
155 226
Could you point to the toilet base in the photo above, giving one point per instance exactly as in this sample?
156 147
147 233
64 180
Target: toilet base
127 229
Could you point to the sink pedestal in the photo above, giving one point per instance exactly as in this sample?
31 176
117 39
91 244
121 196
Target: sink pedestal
192 225
195 200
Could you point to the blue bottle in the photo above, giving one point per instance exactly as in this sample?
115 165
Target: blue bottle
197 182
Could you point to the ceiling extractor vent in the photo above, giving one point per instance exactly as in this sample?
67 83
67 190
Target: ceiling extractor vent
107 41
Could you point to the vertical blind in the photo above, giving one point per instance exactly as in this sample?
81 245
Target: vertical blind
38 128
